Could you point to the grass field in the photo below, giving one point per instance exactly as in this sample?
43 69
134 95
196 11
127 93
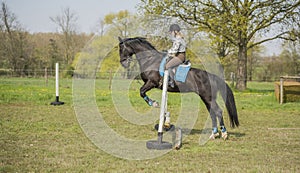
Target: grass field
37 137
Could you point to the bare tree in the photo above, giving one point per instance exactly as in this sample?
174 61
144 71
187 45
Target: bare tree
14 44
67 26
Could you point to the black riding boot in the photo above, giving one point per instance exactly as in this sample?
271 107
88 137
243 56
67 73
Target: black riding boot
171 78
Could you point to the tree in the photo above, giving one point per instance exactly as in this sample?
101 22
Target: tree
122 24
236 21
53 53
120 21
101 27
254 56
67 26
16 50
291 57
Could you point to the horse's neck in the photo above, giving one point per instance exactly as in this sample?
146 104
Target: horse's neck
149 60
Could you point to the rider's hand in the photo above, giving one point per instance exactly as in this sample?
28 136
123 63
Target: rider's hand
171 55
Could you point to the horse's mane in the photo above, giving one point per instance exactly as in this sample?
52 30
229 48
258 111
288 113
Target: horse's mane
138 41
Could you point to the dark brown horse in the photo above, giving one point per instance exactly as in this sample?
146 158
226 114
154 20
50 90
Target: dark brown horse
205 84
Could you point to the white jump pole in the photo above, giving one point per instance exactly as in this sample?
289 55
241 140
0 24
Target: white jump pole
57 102
160 144
163 103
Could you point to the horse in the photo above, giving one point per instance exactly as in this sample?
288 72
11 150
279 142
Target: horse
201 82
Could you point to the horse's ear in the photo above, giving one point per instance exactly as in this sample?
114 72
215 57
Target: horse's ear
120 39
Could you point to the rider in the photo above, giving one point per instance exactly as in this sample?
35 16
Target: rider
177 52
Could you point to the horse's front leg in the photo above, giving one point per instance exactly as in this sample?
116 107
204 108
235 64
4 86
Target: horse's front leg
146 87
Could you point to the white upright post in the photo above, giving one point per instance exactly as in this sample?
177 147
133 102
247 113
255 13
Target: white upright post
57 102
160 144
163 105
57 79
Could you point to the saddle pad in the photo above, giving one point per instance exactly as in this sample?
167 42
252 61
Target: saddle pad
162 66
182 71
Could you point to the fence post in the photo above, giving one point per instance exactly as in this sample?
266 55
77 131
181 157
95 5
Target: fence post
110 79
46 76
281 90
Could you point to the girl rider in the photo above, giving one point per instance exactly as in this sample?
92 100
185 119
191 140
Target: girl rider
176 53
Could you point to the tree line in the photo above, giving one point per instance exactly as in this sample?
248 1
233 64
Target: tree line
22 52
232 30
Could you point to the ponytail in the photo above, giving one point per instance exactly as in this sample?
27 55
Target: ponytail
178 33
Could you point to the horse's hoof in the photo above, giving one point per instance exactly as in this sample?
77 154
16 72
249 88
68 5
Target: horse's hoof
167 125
224 135
214 136
155 104
178 139
171 127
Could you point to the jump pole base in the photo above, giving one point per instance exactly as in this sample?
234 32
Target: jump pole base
57 102
158 144
155 145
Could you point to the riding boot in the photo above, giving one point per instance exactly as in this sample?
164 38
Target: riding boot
171 78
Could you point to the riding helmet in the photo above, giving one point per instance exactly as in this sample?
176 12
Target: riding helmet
174 27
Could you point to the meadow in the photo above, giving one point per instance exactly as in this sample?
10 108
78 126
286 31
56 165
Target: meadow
38 137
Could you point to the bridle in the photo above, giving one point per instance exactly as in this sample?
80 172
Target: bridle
127 58
126 46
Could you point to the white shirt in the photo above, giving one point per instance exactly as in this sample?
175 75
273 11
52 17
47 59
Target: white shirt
179 45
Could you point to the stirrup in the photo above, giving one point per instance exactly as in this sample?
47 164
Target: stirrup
171 83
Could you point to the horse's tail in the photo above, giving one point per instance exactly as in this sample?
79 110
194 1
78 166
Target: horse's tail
228 98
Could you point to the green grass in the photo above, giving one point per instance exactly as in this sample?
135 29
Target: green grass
37 137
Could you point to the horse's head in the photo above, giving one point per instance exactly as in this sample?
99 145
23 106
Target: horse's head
138 46
125 52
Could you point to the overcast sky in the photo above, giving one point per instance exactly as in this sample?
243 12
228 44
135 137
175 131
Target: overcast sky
34 15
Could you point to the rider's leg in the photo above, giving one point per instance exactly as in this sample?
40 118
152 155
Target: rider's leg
174 62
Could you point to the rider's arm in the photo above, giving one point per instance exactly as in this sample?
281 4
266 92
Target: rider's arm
174 49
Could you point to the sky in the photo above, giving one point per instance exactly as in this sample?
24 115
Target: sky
34 15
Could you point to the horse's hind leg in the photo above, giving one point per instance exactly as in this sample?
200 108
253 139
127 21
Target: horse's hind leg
218 111
214 111
215 132
211 107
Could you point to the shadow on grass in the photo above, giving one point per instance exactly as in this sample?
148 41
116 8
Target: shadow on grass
237 134
252 90
208 131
